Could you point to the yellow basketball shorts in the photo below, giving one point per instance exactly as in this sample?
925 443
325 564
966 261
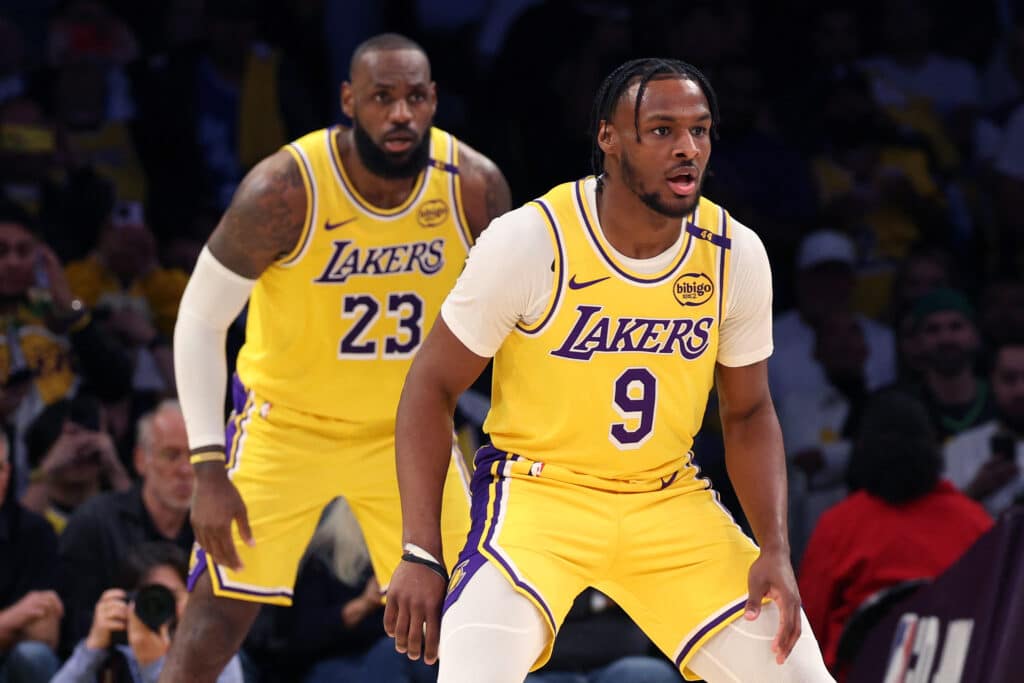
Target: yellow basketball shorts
287 466
669 554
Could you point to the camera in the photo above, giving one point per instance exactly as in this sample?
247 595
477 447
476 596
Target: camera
154 605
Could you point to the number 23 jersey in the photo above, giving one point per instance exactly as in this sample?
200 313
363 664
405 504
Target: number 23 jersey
332 327
603 364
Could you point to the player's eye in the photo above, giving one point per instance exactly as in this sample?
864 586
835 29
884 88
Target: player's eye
417 98
380 97
661 131
698 131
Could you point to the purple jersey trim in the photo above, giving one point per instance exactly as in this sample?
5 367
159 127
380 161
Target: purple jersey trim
724 615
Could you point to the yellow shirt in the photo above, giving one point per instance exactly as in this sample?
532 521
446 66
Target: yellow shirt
155 294
333 326
612 381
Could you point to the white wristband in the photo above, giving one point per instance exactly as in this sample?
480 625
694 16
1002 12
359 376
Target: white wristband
419 552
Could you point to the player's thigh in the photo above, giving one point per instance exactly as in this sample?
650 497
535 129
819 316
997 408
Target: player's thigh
742 652
491 632
277 461
681 572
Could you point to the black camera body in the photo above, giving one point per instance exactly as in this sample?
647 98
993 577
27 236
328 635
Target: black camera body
154 605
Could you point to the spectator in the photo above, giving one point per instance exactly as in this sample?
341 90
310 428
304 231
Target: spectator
948 341
49 342
72 457
824 283
334 630
599 643
30 610
141 658
100 533
985 462
899 522
132 294
819 425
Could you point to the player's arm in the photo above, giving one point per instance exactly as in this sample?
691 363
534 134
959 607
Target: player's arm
755 459
507 279
485 192
754 454
264 222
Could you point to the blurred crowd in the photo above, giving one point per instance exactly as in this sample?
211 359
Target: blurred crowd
876 147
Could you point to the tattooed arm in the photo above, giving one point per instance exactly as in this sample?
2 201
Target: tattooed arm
262 224
265 218
485 192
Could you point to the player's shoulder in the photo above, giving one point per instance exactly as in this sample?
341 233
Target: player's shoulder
744 238
473 162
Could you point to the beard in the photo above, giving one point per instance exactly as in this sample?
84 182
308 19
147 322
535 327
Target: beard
1012 416
653 200
382 163
949 359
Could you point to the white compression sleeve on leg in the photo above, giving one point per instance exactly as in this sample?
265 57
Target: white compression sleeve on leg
491 633
742 652
212 300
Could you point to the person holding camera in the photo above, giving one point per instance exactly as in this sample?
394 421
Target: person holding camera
133 625
72 459
986 462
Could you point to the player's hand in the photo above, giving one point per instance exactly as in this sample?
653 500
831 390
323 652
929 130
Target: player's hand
412 615
215 506
771 576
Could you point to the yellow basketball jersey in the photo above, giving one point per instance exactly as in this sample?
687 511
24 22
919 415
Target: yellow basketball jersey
612 381
333 326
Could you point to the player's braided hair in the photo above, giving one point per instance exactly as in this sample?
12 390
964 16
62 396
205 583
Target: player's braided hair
645 70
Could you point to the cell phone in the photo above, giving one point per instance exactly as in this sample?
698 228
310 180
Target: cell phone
1003 446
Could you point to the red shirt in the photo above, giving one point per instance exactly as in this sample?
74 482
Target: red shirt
864 544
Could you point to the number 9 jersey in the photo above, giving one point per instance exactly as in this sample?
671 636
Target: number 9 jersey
332 327
612 380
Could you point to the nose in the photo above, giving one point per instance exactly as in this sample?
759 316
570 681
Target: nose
400 112
686 147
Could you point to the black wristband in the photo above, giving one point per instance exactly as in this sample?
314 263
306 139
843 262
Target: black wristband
435 567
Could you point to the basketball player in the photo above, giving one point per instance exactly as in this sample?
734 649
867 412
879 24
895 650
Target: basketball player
610 307
348 240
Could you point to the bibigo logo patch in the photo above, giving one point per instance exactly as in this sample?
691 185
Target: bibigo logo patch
432 213
693 289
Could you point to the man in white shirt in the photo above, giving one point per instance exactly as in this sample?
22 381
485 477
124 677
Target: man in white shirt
986 462
825 280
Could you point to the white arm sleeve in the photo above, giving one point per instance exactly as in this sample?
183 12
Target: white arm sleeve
507 280
746 333
212 300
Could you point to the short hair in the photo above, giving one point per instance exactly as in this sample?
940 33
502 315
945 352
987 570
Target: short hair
384 41
143 558
643 70
144 426
896 456
82 409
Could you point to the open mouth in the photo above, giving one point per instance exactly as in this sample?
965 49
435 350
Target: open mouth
683 182
398 143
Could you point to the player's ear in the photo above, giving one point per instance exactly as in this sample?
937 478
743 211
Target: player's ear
347 96
607 137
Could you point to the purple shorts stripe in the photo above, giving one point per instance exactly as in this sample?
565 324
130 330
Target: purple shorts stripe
471 558
725 614
197 570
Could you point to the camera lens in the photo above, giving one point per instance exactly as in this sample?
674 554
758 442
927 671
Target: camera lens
154 605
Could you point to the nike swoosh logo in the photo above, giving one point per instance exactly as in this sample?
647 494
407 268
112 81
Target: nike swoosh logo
331 226
580 285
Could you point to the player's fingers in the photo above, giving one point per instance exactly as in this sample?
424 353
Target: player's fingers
789 628
226 548
431 638
242 518
402 629
755 591
414 645
390 617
